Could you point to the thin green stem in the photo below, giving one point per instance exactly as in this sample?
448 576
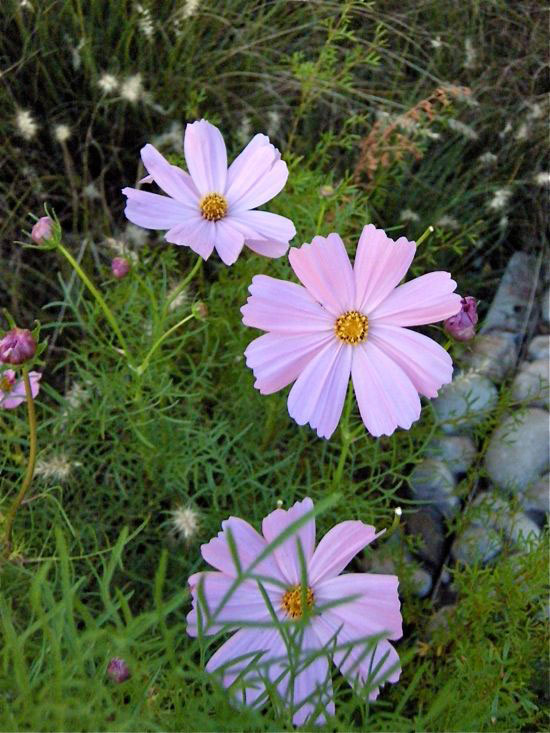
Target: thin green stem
346 438
184 283
320 218
99 298
424 235
145 363
10 518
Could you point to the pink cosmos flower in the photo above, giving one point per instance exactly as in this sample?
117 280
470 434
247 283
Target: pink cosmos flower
349 617
462 326
42 230
212 207
12 390
350 321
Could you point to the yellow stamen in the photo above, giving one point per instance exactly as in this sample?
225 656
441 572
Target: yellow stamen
6 385
292 601
352 327
213 206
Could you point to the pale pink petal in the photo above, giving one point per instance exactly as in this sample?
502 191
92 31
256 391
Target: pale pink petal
258 225
337 548
426 299
249 544
152 211
278 359
380 264
373 606
284 307
287 553
424 361
318 394
267 248
206 157
259 176
244 602
324 269
312 695
170 178
228 242
357 657
196 233
18 395
385 394
241 166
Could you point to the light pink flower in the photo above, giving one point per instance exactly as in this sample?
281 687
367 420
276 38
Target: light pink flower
212 207
42 230
120 267
349 617
12 390
350 321
17 346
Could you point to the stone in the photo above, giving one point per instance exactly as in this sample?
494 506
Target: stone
518 452
518 528
535 500
531 384
491 510
492 354
421 581
476 544
432 481
509 310
427 528
464 403
539 347
457 451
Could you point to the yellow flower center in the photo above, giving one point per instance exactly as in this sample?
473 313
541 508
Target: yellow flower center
352 327
213 206
6 385
292 601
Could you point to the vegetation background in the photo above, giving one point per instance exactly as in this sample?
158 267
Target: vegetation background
401 113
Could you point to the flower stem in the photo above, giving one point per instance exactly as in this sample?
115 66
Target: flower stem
99 298
145 363
184 282
346 438
10 518
425 235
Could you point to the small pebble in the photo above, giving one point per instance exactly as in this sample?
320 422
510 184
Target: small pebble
493 354
476 544
465 403
539 347
536 498
531 384
432 481
457 451
518 452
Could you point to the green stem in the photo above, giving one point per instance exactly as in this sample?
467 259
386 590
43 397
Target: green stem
347 438
145 363
10 518
425 235
99 298
183 283
320 218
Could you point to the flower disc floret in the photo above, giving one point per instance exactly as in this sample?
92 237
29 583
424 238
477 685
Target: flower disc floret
213 207
352 327
291 602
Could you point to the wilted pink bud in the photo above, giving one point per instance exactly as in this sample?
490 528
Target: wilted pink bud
462 326
120 267
118 670
17 346
42 230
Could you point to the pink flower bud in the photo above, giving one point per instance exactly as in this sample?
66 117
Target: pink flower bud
120 267
462 325
42 230
118 670
17 346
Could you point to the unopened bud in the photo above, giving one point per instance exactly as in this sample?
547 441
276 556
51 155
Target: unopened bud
200 310
42 230
326 190
17 346
118 670
462 326
120 267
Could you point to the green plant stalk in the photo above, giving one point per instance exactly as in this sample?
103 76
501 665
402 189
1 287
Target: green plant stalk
145 363
99 298
424 235
346 439
10 518
184 282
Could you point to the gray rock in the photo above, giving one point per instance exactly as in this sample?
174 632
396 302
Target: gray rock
518 528
464 403
531 384
493 354
432 481
536 498
539 347
545 307
476 544
518 452
509 309
427 528
488 510
457 451
421 582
